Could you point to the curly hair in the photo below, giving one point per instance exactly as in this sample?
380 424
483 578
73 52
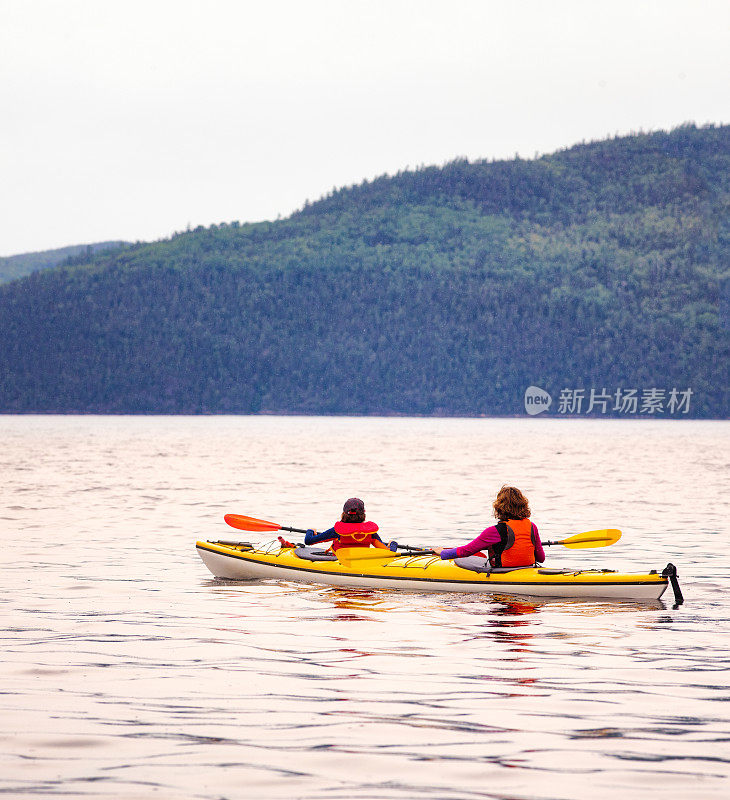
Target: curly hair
510 504
358 516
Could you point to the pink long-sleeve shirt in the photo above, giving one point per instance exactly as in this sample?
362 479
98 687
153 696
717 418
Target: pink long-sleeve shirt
490 536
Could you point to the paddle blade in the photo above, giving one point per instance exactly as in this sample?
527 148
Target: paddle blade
244 523
600 538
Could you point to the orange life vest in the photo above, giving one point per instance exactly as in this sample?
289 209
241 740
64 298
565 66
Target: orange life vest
517 548
355 534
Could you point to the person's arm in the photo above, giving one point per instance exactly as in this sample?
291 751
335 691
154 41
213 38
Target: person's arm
378 542
539 551
487 537
312 537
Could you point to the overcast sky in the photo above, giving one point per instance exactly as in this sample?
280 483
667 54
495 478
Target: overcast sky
134 119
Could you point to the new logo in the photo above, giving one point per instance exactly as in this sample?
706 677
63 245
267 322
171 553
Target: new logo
537 400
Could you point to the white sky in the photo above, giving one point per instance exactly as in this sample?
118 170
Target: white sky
132 119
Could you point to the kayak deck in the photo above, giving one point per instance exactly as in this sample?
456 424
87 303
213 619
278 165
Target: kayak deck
366 568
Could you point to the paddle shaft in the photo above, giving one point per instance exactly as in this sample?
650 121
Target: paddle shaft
582 541
292 530
400 546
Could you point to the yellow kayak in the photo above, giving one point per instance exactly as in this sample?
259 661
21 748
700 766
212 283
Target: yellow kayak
371 568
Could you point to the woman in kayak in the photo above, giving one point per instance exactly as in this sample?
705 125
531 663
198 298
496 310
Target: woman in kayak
513 542
351 530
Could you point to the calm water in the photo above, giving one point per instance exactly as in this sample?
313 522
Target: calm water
128 671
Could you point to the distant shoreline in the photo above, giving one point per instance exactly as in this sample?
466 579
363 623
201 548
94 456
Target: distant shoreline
282 415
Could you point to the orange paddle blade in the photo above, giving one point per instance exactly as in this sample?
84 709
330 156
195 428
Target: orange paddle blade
244 523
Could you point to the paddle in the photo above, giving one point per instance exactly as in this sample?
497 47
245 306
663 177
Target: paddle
244 523
600 538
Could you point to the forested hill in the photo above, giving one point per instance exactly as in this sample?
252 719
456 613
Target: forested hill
447 290
12 267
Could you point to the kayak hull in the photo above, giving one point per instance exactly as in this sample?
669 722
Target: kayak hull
426 574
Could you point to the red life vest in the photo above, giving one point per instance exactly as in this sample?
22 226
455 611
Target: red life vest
354 534
517 548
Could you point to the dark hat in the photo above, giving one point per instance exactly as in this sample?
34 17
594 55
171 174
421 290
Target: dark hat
353 505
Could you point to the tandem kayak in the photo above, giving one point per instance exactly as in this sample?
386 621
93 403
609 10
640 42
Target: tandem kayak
370 568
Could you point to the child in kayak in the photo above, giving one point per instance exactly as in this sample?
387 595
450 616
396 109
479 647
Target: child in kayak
513 542
351 530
